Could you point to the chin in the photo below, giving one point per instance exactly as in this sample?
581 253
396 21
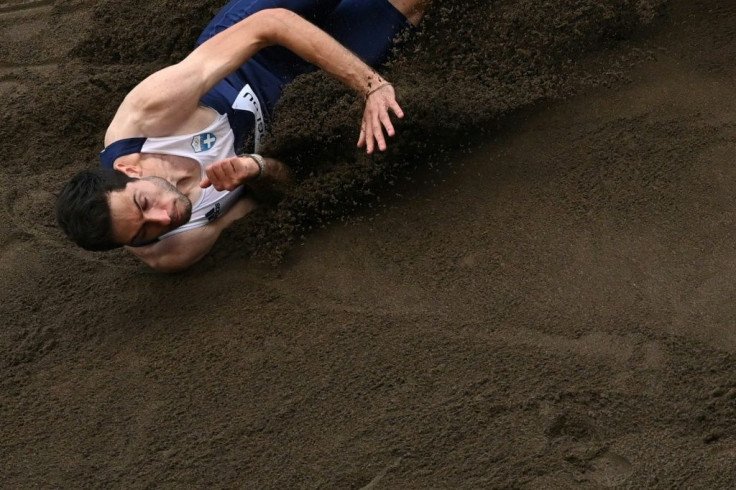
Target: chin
184 211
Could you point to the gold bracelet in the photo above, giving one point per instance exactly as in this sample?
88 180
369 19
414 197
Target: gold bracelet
384 84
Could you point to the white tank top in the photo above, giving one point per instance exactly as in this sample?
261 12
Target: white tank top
216 142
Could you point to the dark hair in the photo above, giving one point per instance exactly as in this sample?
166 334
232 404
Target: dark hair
83 209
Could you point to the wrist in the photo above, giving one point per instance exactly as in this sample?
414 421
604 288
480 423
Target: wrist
371 84
258 165
377 88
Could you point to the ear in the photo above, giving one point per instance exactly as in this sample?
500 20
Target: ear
128 169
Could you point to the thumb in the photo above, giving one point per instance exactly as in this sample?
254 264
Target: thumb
205 182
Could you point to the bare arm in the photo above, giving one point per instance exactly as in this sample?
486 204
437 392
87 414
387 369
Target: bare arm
164 101
180 251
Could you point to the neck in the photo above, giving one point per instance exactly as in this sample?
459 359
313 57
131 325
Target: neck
184 173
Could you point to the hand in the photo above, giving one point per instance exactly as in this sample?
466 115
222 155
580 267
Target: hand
376 118
229 173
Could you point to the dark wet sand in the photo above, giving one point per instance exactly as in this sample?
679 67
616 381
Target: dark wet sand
541 299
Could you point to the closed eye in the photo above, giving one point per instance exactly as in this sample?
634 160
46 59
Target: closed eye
137 237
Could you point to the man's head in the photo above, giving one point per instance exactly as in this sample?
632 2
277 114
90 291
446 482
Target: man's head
103 209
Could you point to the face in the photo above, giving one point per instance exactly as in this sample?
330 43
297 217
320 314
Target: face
146 209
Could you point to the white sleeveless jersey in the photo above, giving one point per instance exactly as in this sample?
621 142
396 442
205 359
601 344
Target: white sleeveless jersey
216 142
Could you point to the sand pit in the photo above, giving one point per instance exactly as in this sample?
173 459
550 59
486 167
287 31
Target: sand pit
531 289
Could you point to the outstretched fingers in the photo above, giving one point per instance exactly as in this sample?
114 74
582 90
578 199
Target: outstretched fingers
378 132
361 138
388 126
376 119
396 108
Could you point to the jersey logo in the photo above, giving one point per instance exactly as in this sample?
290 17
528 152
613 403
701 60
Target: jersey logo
203 142
247 101
213 213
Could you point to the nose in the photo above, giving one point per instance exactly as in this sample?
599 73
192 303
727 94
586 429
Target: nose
158 216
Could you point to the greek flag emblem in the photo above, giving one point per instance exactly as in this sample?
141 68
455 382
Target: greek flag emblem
203 142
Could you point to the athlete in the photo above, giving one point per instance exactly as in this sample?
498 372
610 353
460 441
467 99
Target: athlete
171 179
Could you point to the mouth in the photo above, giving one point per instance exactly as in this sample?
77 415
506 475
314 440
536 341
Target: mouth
175 217
180 213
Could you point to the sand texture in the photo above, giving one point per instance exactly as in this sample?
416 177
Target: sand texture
533 288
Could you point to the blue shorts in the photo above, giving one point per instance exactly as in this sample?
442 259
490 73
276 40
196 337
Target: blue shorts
366 27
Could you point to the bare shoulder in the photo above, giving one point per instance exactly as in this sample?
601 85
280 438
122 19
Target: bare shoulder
163 104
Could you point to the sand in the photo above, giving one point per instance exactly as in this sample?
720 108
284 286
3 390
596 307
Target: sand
531 289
